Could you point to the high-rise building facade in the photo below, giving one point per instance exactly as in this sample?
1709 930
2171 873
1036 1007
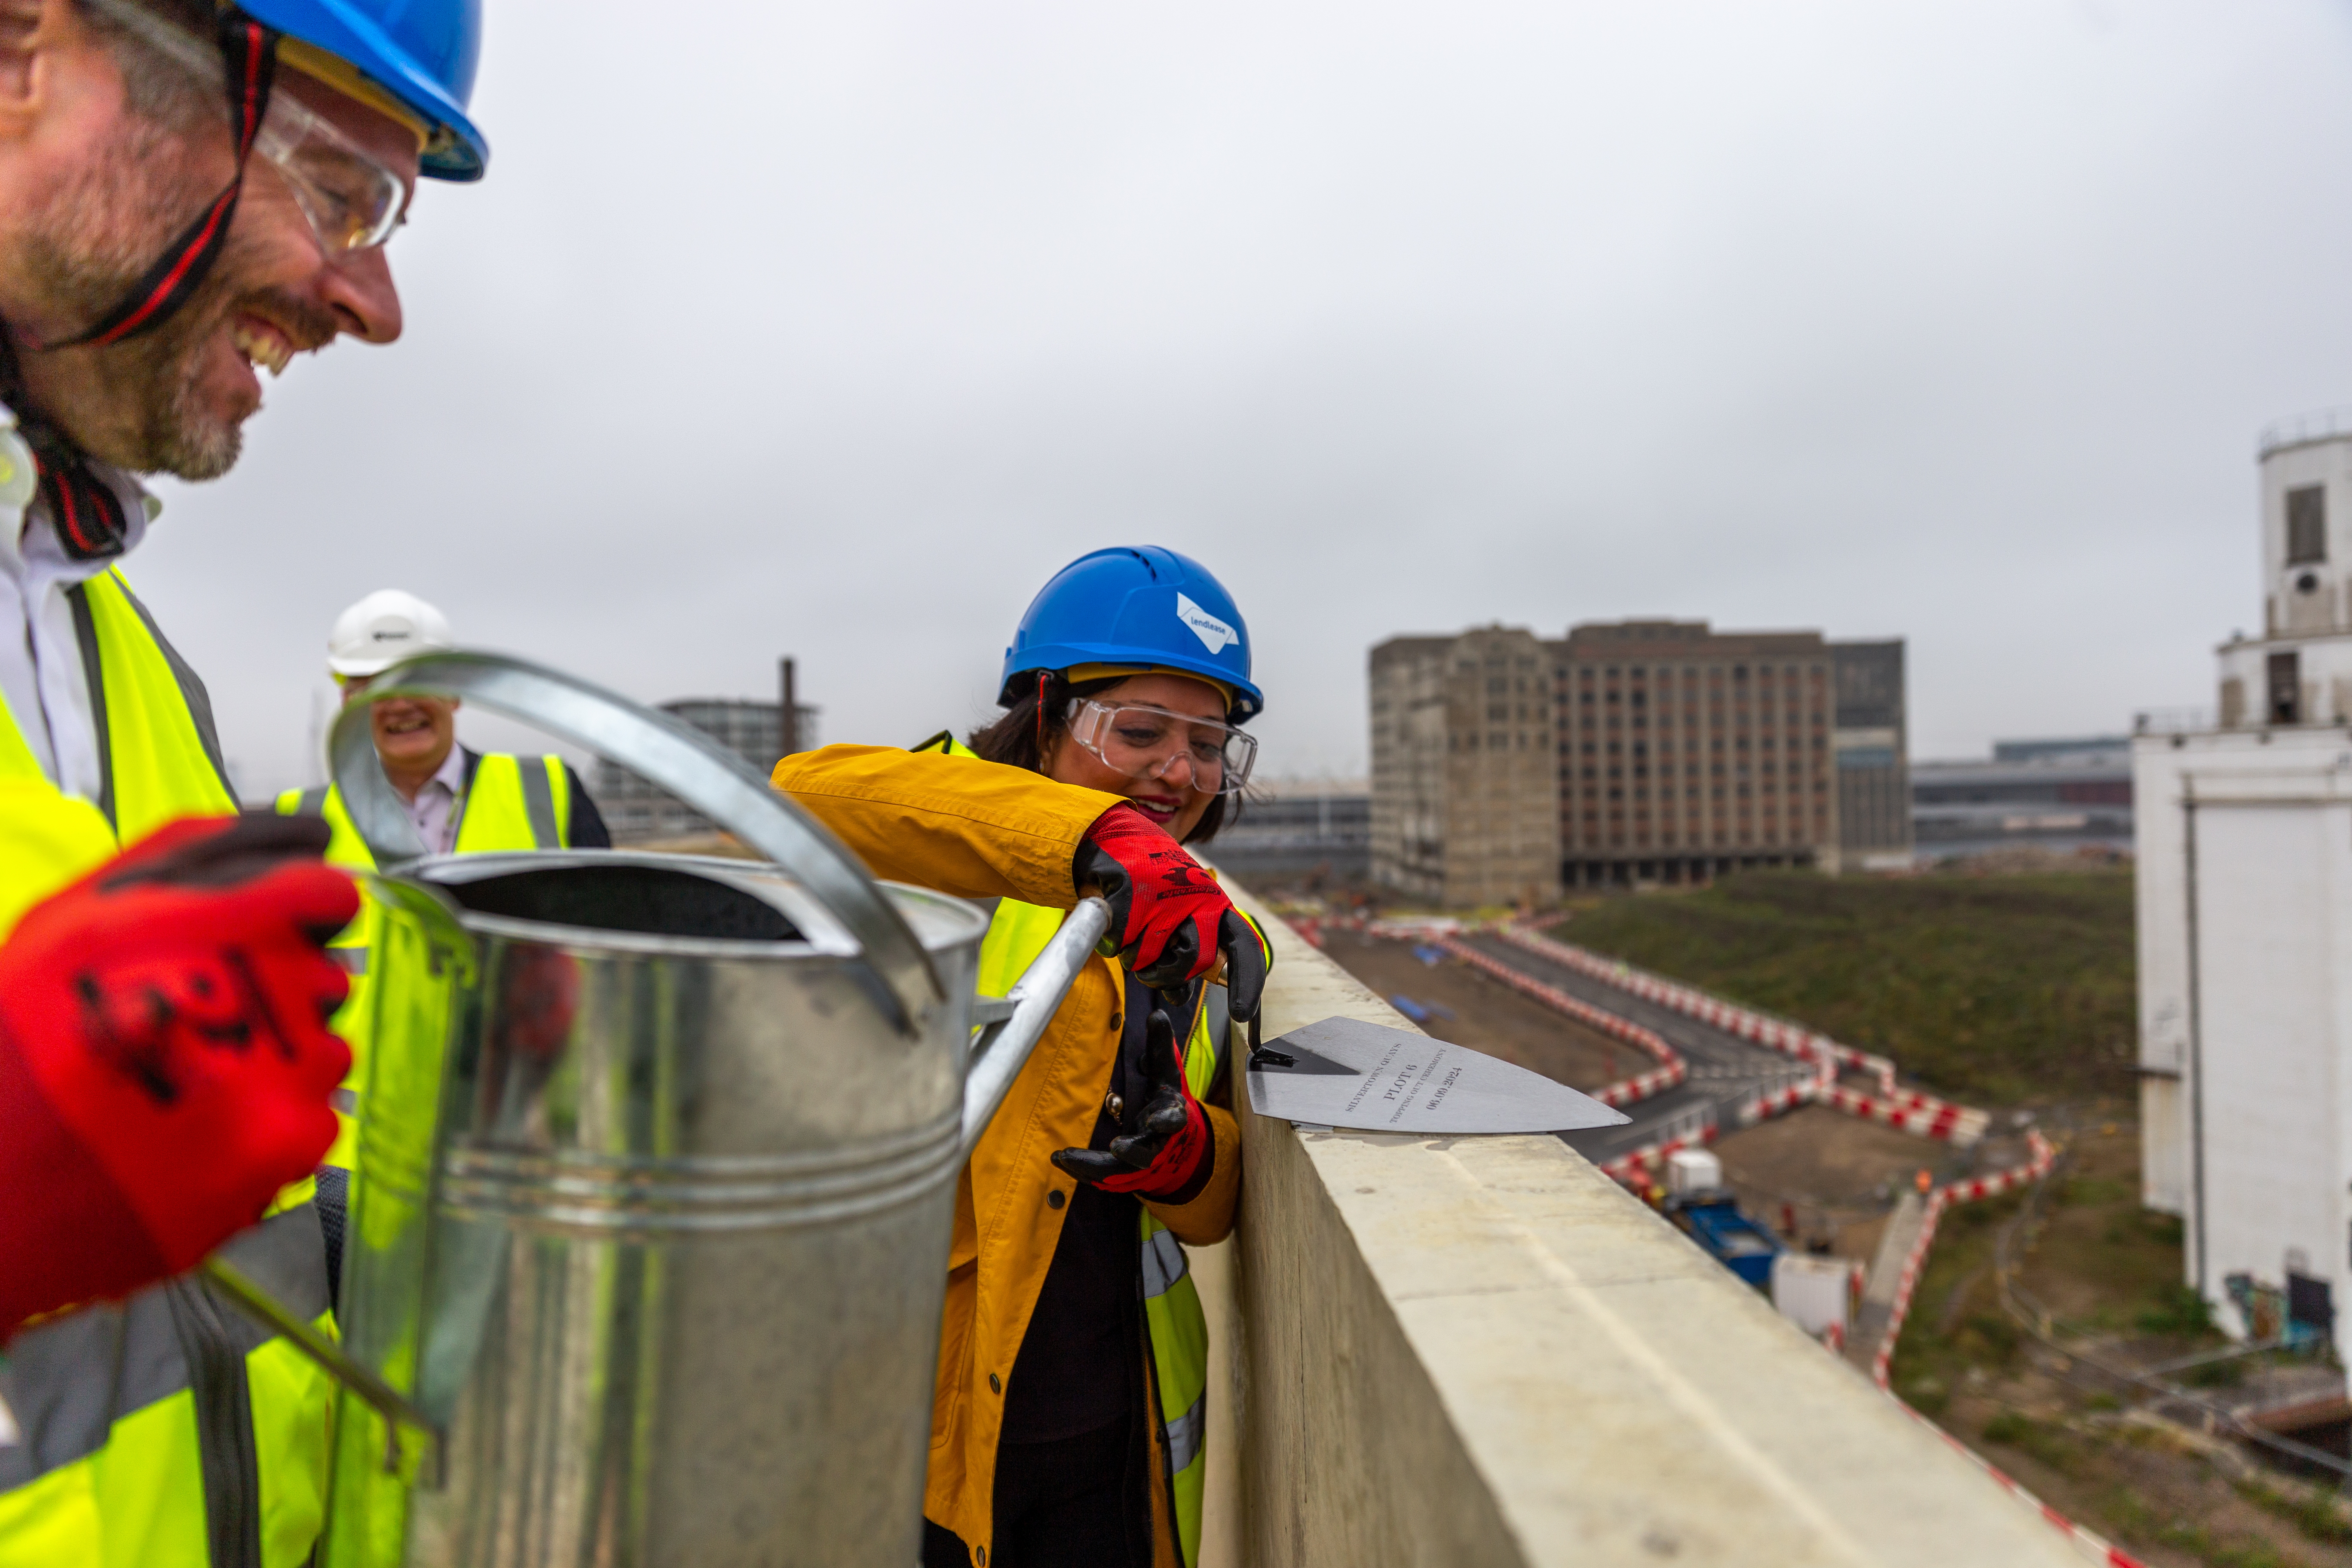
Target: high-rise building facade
1676 754
1871 744
1466 802
1685 752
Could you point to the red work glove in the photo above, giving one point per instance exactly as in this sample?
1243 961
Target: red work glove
164 1060
1165 1155
1168 916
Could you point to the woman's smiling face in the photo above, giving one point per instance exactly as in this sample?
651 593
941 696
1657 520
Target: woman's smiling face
1174 801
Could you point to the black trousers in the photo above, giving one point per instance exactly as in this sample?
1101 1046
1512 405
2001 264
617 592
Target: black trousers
1062 1504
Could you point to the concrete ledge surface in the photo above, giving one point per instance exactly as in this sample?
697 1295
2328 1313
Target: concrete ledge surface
1481 1349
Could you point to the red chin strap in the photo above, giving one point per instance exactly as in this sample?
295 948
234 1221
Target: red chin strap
250 53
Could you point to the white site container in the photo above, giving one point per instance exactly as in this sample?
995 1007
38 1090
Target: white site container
1812 1292
1692 1171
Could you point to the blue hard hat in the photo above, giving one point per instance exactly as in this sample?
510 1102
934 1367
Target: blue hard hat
423 52
1134 607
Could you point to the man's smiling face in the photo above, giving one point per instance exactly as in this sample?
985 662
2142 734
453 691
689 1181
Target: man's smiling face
175 400
414 735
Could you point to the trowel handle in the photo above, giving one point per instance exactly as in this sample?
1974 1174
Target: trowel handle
387 1401
678 757
1004 1043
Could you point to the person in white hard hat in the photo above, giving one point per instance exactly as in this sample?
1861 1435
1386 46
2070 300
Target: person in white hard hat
462 801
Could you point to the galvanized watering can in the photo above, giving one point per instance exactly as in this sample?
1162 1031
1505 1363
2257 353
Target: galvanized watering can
657 1166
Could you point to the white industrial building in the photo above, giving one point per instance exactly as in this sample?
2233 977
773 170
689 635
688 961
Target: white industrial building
2245 918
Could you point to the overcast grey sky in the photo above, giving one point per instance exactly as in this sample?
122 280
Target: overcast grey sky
835 330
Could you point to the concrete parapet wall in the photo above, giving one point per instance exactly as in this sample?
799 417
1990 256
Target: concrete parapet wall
1483 1351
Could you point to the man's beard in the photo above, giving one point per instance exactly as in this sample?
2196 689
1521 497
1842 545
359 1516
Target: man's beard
137 404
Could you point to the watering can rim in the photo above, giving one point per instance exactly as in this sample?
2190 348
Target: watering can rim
658 747
942 923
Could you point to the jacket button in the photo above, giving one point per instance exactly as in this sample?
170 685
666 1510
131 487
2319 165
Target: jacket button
994 1386
1055 1200
980 1555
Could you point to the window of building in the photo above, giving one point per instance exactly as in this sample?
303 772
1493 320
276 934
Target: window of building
2286 689
2306 524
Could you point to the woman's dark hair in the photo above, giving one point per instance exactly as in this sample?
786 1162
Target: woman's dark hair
1016 739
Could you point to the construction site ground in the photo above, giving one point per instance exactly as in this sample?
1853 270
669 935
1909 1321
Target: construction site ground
1836 1175
2094 1447
2091 1445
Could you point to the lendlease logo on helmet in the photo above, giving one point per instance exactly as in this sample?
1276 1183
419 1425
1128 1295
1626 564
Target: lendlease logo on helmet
1213 633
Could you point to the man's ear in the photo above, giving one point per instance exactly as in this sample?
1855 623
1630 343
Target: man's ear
28 29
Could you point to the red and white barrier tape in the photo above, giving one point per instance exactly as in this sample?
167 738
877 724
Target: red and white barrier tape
1630 1169
1906 1109
1672 1069
2042 1156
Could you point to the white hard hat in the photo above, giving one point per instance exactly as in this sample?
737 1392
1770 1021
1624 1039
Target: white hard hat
386 625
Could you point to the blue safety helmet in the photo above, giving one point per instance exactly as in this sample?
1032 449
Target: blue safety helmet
1134 607
423 52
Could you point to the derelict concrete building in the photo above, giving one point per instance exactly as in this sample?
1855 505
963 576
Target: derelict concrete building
2244 890
1466 796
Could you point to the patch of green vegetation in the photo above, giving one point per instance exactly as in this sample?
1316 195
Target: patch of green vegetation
2100 1190
2179 1310
2138 1524
1959 1264
1987 1337
2053 1446
2216 1374
2316 1516
1925 1394
1999 989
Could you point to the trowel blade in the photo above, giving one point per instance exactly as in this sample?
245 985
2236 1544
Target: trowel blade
1349 1073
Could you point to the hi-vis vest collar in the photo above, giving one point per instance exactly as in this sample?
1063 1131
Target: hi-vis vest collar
509 803
159 753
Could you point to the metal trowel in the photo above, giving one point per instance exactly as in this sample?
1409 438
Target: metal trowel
1344 1072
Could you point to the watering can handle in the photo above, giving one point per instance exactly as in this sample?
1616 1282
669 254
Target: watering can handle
1004 1043
656 746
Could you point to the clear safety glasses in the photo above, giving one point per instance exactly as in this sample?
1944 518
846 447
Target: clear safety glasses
353 200
1144 743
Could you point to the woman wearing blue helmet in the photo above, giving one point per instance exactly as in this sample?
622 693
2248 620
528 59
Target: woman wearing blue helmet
1130 674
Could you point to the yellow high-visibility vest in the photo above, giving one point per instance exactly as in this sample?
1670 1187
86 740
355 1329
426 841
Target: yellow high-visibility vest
509 804
1179 1328
166 1431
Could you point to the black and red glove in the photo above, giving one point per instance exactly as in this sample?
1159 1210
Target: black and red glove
1163 1157
1168 917
164 1061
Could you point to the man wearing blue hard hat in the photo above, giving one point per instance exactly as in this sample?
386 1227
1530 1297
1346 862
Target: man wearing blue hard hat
190 192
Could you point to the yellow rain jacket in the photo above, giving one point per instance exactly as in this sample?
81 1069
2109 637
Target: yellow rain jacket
999 832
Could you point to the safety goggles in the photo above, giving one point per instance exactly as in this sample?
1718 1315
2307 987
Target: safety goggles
1145 742
353 200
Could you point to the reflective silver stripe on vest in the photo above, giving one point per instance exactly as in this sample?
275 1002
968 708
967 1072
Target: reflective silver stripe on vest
69 1381
539 802
1163 1262
352 959
1184 1435
93 672
313 802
